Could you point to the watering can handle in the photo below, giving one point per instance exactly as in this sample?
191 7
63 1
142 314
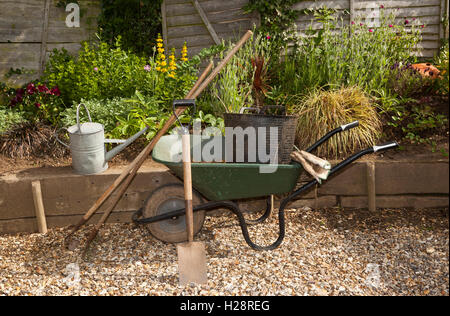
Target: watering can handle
57 138
78 116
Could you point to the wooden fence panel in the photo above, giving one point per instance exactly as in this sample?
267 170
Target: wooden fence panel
27 38
183 23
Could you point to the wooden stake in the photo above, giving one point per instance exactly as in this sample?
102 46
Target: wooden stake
39 206
371 192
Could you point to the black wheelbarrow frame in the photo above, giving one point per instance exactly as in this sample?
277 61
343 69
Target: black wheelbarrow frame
234 208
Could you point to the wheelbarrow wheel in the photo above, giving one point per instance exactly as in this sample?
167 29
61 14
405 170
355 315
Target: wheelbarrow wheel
166 199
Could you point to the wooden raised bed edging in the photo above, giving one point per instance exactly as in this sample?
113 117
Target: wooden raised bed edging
66 196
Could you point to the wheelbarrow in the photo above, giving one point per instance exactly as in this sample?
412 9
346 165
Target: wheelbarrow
218 185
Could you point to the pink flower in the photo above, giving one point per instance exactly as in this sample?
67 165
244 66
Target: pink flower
371 30
390 25
361 24
381 6
422 26
406 21
147 68
268 37
95 69
353 22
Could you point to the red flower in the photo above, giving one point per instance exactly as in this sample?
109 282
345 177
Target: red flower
55 91
381 6
13 102
38 105
406 21
43 88
31 89
20 92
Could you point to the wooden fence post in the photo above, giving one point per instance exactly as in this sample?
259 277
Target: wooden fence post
44 38
205 20
444 14
164 26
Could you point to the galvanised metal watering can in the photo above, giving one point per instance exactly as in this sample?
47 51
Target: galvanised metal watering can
87 145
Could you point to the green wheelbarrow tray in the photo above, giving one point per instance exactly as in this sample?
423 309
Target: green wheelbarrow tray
218 181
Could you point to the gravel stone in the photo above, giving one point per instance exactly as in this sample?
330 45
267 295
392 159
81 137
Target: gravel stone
325 252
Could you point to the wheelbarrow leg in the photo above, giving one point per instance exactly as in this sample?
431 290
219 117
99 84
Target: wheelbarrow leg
266 215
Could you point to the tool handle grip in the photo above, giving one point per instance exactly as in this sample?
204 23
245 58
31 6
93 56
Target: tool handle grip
385 146
350 125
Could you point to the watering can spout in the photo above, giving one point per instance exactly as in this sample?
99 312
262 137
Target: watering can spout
124 143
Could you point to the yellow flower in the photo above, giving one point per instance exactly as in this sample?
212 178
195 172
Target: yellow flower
163 63
158 68
160 45
184 53
162 57
160 50
163 70
171 75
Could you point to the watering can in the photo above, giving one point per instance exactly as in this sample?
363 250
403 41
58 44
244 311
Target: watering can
87 145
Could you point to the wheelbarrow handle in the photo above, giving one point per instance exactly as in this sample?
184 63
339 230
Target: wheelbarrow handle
385 146
350 125
341 128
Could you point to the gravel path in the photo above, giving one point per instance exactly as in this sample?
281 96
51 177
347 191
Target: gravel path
326 252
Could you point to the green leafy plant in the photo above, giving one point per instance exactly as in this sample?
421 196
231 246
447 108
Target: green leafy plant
9 118
244 80
145 111
441 85
277 18
104 112
345 54
104 72
137 22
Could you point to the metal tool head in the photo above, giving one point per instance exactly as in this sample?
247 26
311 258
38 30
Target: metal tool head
192 263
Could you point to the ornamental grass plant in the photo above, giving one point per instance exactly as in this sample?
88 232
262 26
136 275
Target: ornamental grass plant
321 111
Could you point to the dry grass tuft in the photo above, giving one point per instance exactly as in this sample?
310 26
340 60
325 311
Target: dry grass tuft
31 140
322 111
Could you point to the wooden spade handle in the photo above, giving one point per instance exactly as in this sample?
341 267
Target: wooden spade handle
187 179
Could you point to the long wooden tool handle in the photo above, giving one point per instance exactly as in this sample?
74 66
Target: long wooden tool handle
139 160
187 179
135 164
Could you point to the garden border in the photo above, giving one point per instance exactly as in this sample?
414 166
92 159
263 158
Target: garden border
66 196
